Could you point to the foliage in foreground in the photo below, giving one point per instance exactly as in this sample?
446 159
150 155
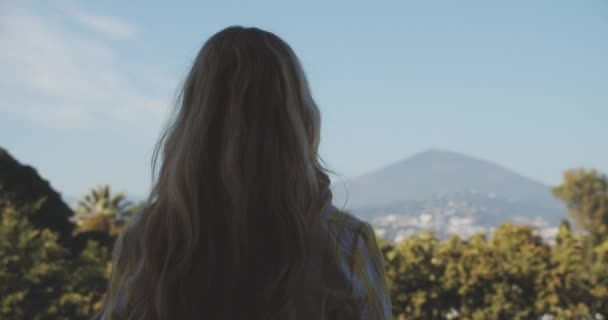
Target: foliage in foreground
513 274
39 279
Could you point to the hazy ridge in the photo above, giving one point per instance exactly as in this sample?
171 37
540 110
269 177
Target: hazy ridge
449 192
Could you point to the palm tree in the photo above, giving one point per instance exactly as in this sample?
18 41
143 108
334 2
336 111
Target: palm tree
100 210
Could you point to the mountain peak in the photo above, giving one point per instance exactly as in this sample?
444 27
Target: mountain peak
436 172
438 152
444 155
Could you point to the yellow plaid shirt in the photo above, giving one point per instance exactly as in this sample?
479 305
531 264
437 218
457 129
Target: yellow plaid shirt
347 272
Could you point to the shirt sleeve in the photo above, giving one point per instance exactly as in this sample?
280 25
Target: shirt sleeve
370 287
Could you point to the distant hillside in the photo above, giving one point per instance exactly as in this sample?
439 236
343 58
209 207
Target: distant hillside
434 173
24 186
448 192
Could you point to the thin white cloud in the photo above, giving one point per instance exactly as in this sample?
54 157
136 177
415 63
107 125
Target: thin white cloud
107 25
56 76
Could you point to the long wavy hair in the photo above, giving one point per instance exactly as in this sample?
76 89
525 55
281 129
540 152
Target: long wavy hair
238 184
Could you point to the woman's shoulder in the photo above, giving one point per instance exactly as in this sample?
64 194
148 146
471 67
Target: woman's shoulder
346 228
353 268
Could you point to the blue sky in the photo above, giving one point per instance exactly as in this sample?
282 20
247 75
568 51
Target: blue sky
86 86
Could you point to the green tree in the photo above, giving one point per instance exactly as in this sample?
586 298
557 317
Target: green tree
585 193
102 211
566 290
40 279
500 278
599 279
415 279
32 267
83 293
